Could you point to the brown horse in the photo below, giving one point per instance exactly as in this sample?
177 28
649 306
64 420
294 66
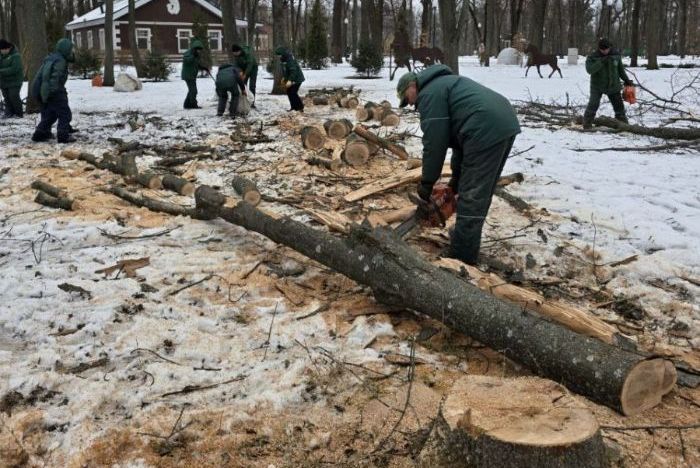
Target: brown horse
534 58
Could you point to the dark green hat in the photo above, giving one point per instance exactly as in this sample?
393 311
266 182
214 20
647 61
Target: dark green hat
402 86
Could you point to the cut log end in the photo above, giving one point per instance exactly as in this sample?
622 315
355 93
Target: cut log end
246 189
646 384
320 100
390 119
179 185
312 138
362 114
524 421
338 129
149 180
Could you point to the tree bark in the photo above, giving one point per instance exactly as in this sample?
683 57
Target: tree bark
424 40
62 203
682 27
398 150
337 32
355 14
278 40
654 26
108 78
246 189
539 14
230 29
516 11
178 184
635 32
668 133
135 54
31 24
622 380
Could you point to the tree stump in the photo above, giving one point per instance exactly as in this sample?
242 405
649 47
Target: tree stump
150 180
390 118
338 129
312 138
246 189
320 100
178 184
357 151
513 422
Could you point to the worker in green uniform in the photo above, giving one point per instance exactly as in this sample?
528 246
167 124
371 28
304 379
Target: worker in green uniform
480 126
607 75
246 61
292 78
11 78
192 63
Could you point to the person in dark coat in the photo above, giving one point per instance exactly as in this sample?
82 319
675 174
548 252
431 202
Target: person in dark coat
607 75
292 77
480 126
248 64
192 62
229 81
11 78
49 88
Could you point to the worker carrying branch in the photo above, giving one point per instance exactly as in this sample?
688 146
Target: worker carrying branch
480 126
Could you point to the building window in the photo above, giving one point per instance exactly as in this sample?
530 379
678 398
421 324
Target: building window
215 38
143 38
101 39
183 39
79 40
89 40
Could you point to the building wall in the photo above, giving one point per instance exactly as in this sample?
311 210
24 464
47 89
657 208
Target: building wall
160 26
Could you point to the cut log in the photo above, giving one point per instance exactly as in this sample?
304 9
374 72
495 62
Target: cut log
390 118
511 423
320 100
178 184
381 142
571 317
122 163
328 163
312 138
49 189
126 164
338 129
620 379
150 180
246 189
378 113
385 104
63 203
350 102
400 215
363 114
357 151
516 177
413 163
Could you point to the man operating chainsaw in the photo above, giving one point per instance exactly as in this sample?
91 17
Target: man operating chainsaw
480 126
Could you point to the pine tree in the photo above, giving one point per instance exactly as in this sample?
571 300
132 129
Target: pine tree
316 43
369 59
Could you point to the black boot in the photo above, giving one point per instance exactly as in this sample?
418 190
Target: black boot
39 137
63 139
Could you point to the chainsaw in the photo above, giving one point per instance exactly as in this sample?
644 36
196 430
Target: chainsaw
441 206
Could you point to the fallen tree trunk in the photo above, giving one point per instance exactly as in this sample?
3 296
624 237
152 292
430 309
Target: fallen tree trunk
49 189
667 133
625 381
246 189
510 423
122 163
398 150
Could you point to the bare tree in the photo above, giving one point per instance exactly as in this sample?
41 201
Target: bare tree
252 20
135 54
279 39
682 27
655 15
635 32
425 19
452 17
230 29
108 79
31 24
539 13
337 32
516 12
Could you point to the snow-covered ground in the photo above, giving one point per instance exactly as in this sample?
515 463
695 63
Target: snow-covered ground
622 203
